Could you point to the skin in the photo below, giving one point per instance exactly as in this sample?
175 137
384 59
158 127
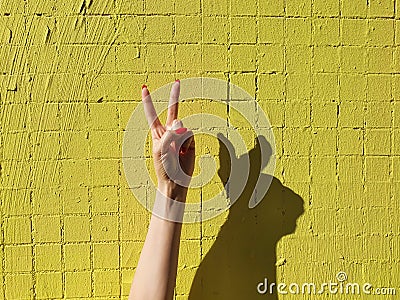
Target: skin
173 155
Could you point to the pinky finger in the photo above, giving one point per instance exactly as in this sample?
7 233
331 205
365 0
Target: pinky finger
188 144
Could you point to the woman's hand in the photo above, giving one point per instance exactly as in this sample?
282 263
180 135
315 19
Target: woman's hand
173 147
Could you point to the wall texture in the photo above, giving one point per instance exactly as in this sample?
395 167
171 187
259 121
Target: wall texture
325 71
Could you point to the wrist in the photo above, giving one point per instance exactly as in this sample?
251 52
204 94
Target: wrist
172 190
169 204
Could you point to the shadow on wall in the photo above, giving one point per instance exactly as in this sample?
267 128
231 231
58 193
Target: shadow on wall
244 251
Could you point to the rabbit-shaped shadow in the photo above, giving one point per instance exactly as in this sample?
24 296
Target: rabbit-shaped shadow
244 252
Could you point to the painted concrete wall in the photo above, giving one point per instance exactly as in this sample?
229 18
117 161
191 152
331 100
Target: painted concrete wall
326 72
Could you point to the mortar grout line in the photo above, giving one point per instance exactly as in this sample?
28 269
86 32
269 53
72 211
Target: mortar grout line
338 105
90 193
391 214
285 71
32 241
119 195
312 83
364 138
201 227
257 62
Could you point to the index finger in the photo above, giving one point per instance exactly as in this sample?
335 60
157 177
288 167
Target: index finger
173 103
149 110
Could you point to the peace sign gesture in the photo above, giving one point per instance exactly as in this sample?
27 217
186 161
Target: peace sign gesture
173 144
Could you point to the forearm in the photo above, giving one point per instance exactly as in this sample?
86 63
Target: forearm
156 271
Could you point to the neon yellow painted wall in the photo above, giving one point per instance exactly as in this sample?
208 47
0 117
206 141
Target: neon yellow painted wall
326 72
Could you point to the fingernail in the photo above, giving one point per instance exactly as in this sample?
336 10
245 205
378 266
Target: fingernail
177 80
181 130
144 86
183 150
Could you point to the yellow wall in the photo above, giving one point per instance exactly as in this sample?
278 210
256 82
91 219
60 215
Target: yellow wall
325 72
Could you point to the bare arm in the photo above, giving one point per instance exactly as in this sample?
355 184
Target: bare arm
156 271
173 154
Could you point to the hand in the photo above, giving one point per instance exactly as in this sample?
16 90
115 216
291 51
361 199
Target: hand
173 146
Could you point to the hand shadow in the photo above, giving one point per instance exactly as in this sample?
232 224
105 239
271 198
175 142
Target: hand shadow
243 254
